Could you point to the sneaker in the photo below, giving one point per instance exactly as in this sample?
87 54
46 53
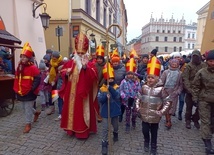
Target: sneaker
58 118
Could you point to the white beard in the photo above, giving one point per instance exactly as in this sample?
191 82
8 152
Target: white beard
78 61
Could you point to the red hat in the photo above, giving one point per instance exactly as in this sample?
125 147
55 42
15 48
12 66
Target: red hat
27 50
133 54
153 67
81 43
100 51
110 73
131 65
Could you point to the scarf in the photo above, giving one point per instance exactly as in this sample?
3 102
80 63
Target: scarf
171 78
54 64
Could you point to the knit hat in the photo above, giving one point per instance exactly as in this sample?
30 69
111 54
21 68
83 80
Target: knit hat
42 65
145 56
47 57
210 55
56 54
196 52
154 52
172 61
49 51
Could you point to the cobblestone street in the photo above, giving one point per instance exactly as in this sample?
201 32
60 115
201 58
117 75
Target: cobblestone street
47 138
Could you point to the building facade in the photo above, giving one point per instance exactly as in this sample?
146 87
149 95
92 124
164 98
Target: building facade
202 17
164 35
91 17
190 36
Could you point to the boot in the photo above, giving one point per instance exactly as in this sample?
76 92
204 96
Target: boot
146 146
168 122
36 116
104 148
27 128
180 115
197 125
115 138
153 149
50 110
188 125
208 146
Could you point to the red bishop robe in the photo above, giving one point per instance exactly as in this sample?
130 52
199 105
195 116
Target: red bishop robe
80 107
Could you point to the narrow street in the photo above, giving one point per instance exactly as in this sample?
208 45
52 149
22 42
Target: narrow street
47 138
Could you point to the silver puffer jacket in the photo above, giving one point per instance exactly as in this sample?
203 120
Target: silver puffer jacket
152 103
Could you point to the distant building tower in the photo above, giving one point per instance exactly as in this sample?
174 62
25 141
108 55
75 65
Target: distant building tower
164 35
190 36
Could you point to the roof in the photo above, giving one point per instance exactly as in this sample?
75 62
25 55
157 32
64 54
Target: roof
7 38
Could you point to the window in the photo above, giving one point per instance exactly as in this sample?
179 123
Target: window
193 46
173 31
193 36
157 38
189 46
174 39
98 10
179 31
88 6
165 39
168 31
180 49
157 31
109 19
180 39
104 17
163 31
166 49
188 35
175 49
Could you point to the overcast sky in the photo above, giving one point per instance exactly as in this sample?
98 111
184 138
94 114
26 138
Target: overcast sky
139 12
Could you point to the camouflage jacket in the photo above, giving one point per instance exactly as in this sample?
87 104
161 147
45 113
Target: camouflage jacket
189 74
203 86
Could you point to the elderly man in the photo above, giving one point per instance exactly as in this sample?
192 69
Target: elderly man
80 99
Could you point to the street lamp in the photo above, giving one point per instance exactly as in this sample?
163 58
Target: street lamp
45 18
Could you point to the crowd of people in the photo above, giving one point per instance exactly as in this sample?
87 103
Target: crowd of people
91 89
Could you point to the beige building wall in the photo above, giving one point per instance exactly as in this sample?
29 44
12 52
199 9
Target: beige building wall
202 16
71 14
19 21
59 12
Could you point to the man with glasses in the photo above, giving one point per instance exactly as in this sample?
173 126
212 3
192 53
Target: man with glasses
80 97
